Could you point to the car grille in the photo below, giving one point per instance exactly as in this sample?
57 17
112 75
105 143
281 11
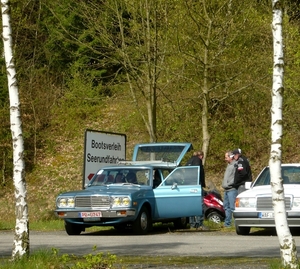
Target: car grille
92 201
265 203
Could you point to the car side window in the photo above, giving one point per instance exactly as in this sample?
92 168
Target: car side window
183 176
291 175
191 176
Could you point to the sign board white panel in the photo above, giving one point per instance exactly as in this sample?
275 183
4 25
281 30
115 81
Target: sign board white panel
101 149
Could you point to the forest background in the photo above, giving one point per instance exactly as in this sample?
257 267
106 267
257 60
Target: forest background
196 71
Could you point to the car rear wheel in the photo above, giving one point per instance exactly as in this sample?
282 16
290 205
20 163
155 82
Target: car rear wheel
73 229
143 223
242 230
215 217
180 223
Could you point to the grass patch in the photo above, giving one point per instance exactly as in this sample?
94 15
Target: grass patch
50 225
193 261
50 259
7 225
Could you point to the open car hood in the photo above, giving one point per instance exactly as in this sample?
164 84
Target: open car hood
161 152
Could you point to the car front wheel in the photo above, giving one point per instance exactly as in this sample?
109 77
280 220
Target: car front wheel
242 230
73 229
142 224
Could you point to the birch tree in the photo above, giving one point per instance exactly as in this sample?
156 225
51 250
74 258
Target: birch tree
287 244
21 238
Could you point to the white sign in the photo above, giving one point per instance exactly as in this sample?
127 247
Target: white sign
101 149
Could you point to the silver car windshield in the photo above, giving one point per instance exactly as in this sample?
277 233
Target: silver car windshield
290 175
121 176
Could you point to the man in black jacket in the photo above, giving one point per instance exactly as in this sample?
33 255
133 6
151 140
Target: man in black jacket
243 170
196 160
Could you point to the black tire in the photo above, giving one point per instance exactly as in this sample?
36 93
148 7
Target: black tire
180 223
143 222
73 229
215 217
242 230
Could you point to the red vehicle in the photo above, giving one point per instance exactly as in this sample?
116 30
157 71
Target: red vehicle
213 206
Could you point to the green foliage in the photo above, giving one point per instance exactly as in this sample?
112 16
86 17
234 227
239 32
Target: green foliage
50 259
3 81
97 261
82 101
39 259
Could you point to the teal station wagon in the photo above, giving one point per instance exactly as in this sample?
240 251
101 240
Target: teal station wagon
135 194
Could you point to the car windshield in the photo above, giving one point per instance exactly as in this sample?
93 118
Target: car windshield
290 175
121 176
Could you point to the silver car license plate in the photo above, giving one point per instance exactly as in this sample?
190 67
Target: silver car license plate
266 215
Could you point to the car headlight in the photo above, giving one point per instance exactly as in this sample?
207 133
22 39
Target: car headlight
120 201
245 202
296 202
65 202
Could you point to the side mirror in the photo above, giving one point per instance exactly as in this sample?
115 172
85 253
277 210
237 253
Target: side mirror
174 186
248 185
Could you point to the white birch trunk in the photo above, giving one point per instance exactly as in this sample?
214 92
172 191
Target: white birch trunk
287 244
21 239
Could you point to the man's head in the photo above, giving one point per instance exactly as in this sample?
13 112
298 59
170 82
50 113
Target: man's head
236 153
199 154
131 178
229 157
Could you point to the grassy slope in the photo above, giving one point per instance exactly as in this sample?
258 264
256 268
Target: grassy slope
60 163
60 167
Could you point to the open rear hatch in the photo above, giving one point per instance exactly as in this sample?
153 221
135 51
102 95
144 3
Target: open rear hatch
161 152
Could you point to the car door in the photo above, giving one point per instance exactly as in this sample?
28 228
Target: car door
179 195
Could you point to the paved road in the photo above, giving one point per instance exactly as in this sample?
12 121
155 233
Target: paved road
185 243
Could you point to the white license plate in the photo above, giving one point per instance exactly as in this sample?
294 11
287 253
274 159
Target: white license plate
266 215
95 214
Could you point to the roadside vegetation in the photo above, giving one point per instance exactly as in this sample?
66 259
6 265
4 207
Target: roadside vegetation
53 259
50 259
